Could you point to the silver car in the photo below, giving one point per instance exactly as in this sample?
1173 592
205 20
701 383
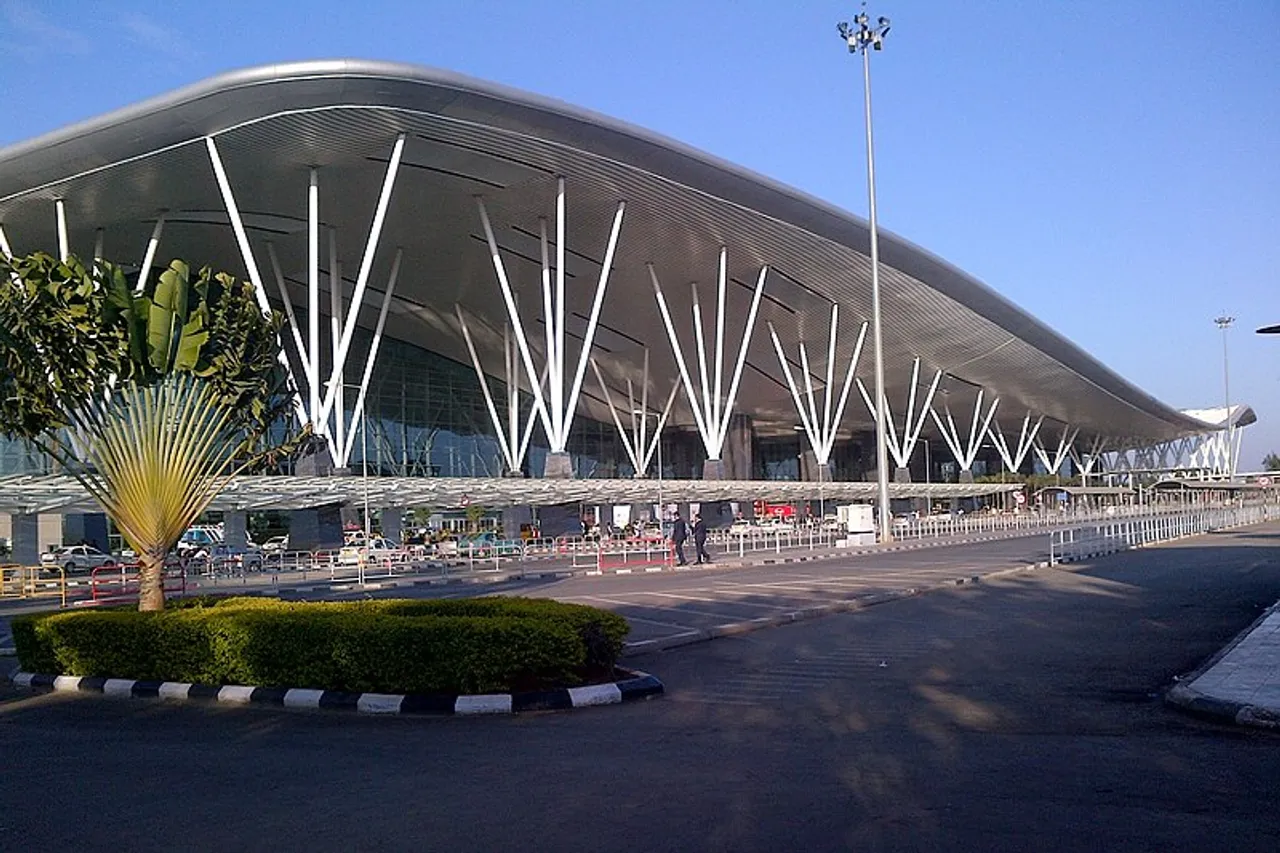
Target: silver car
77 558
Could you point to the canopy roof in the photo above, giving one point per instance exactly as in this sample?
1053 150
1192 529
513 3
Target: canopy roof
466 137
31 494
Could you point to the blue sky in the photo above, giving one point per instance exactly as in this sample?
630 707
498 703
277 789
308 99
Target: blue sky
1113 167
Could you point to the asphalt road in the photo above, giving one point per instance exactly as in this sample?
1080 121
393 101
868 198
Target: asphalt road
680 604
1016 714
671 605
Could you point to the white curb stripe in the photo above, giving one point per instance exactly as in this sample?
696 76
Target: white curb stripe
379 703
118 687
23 679
595 694
493 703
174 690
300 697
236 694
67 682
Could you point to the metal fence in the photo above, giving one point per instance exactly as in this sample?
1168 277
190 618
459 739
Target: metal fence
1092 540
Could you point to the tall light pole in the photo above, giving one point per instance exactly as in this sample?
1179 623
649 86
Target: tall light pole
863 38
1224 322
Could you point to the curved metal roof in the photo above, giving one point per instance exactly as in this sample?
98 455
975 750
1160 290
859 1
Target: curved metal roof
468 137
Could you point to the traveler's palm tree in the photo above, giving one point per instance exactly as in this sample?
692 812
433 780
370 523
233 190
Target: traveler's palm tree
151 400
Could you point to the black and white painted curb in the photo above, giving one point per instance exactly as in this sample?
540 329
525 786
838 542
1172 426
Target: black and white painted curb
638 685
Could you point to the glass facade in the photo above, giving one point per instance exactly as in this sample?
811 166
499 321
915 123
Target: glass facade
427 418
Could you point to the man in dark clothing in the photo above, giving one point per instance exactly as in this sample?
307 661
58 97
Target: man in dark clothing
679 533
700 539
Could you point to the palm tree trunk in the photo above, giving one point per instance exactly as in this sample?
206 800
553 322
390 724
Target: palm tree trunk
150 582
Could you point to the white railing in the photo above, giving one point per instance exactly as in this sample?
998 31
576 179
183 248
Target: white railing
1093 540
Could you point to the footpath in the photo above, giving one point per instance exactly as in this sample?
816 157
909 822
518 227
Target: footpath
1241 683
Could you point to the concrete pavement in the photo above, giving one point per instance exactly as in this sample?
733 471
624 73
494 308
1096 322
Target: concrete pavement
1241 683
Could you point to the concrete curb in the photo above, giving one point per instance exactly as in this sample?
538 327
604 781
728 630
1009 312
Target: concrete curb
1182 697
638 685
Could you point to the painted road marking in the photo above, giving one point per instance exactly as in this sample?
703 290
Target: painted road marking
772 606
728 616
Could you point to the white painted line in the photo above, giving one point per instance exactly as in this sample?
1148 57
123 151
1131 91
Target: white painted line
379 703
118 687
235 694
69 683
493 703
595 694
731 617
707 598
302 698
174 690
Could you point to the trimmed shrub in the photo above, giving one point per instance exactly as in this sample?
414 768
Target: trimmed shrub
392 646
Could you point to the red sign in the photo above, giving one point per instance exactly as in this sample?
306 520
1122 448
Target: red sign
764 509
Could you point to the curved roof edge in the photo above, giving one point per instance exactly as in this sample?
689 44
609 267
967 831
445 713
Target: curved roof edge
221 102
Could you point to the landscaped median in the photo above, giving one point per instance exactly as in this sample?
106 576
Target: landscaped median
454 656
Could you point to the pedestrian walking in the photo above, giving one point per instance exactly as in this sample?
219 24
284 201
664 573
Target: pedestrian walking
700 539
679 533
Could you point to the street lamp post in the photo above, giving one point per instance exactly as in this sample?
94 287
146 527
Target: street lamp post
862 38
1223 322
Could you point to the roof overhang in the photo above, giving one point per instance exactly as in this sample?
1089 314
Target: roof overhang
62 493
466 138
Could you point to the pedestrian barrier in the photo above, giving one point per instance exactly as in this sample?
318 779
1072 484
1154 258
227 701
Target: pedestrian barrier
642 552
34 582
121 584
1095 540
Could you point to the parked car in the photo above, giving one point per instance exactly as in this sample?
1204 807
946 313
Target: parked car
379 550
275 545
77 558
223 556
488 543
197 539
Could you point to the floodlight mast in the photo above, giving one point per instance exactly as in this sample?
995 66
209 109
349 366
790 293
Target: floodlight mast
1223 322
862 38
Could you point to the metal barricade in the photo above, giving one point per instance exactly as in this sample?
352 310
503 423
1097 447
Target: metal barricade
649 553
34 582
121 584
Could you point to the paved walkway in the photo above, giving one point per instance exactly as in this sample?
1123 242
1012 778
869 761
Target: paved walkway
1240 684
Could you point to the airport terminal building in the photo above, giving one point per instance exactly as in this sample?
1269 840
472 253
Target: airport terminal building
487 285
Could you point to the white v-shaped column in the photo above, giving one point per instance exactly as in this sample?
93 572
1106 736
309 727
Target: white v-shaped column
638 442
901 450
712 408
513 439
966 451
821 431
1013 459
1065 440
555 408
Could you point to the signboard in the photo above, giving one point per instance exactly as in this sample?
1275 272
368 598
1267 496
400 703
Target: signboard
1019 497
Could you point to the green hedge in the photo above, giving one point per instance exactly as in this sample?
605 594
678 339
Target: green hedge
391 646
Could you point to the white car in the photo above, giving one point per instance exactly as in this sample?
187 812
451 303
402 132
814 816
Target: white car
77 558
224 556
380 551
